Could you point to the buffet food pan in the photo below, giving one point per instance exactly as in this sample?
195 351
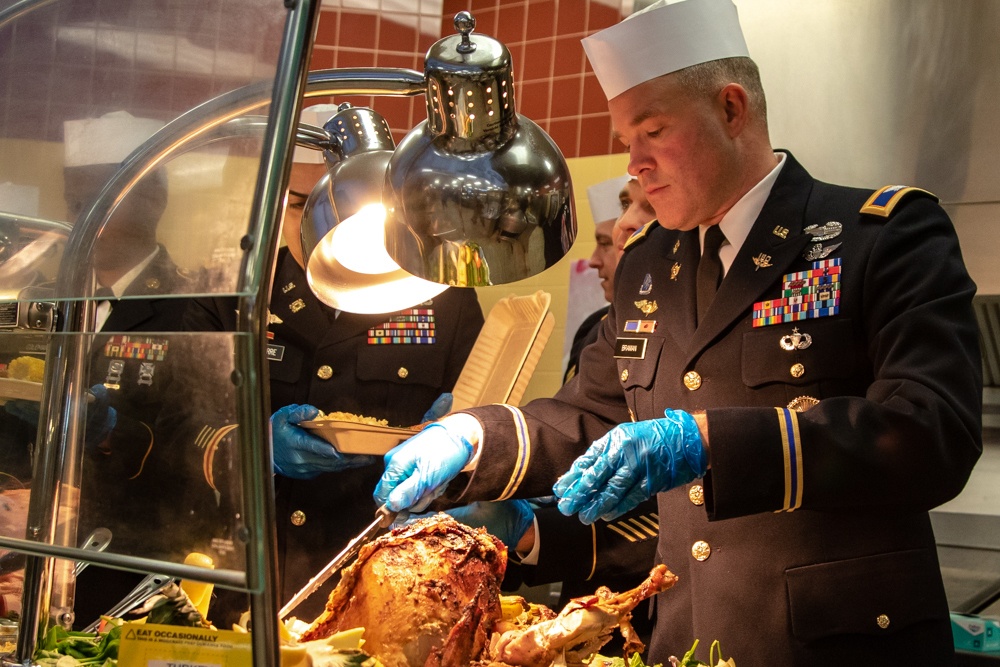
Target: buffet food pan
24 390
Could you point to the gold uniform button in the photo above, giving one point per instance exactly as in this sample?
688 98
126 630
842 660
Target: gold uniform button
298 518
153 283
692 380
700 550
624 375
797 371
324 372
402 373
883 621
696 494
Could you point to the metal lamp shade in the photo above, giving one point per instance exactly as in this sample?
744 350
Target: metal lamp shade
347 266
477 194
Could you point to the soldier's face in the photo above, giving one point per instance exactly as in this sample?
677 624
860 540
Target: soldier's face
681 150
604 257
636 212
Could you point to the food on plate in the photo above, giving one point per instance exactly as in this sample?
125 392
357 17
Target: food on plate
31 369
428 593
349 417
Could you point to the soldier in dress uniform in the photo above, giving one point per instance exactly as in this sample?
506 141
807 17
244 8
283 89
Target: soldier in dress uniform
797 396
324 359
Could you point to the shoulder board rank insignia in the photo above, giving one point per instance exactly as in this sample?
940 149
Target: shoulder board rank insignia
639 234
885 199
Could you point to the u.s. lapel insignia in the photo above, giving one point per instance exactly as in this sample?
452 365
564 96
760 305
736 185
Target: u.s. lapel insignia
824 232
819 251
780 232
273 319
647 285
762 261
288 288
647 307
297 305
677 246
674 270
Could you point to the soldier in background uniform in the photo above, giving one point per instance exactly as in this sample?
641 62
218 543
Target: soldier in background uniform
794 366
606 206
324 359
128 479
545 545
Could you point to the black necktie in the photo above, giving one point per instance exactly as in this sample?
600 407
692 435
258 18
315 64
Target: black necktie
709 270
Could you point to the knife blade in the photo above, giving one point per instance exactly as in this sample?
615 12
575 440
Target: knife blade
383 519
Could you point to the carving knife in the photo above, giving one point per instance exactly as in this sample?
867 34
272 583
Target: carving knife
383 519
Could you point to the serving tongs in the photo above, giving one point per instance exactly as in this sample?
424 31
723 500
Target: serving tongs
147 588
96 541
383 519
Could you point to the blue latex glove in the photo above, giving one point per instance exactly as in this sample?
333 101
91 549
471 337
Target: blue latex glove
418 470
301 455
631 463
101 417
439 408
508 520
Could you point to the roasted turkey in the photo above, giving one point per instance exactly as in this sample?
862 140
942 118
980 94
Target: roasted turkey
427 594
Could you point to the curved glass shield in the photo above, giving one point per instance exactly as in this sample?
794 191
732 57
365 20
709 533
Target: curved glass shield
131 134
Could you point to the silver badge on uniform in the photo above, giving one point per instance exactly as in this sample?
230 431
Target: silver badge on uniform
647 285
824 232
795 341
146 370
819 251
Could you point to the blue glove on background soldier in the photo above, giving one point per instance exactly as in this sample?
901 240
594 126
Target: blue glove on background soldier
301 455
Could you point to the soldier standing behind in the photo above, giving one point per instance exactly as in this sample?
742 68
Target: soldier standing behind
324 359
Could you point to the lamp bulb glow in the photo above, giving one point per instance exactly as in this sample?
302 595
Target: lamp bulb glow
359 242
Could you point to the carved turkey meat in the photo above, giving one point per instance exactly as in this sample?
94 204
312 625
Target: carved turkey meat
428 593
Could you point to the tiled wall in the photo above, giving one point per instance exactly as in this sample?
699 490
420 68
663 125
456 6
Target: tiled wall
553 83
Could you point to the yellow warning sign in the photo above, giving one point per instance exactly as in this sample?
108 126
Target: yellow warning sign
151 645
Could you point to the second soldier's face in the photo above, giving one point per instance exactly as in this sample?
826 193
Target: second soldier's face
636 212
604 257
680 150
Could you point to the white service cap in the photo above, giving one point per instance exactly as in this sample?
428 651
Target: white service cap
105 140
666 36
316 115
604 201
19 199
